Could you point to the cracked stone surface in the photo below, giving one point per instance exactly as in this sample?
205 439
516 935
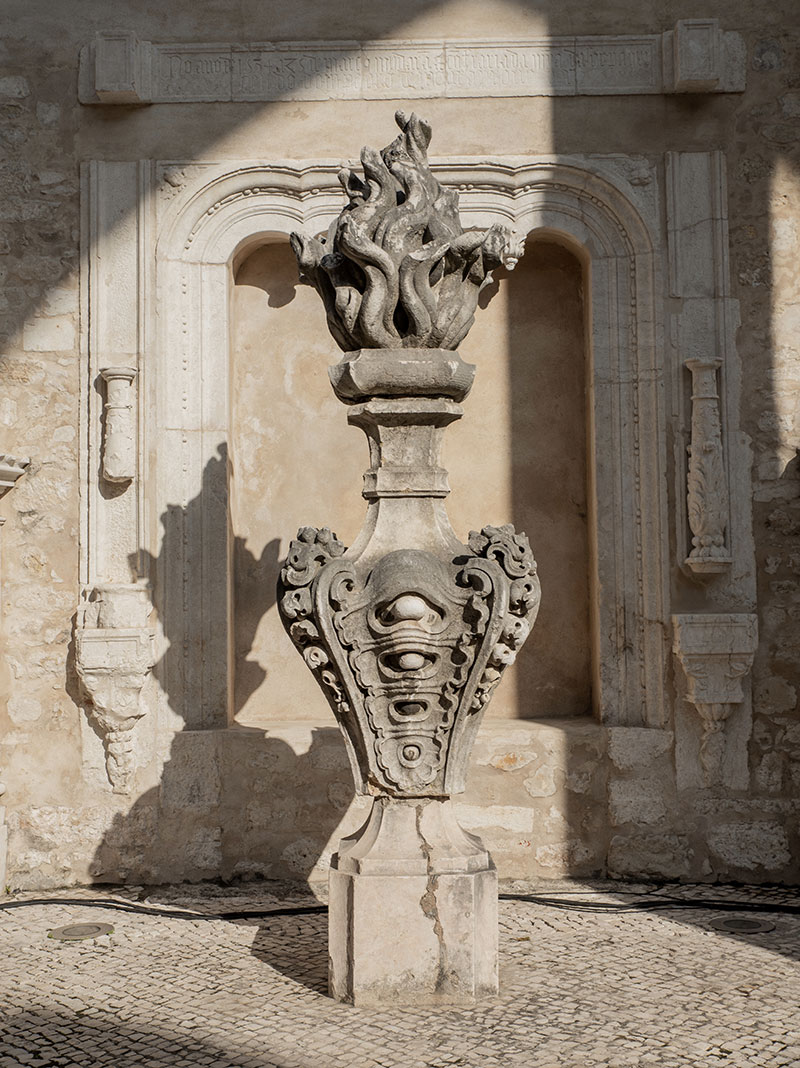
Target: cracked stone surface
578 989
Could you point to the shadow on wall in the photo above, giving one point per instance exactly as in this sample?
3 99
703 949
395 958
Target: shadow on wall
172 576
233 804
547 383
237 802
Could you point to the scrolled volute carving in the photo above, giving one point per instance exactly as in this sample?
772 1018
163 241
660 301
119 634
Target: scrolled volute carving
397 269
512 552
409 651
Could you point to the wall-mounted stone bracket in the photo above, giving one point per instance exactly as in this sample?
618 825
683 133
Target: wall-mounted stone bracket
121 68
114 656
716 652
119 430
697 55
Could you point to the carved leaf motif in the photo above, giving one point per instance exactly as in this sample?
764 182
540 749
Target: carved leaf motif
308 554
707 493
511 550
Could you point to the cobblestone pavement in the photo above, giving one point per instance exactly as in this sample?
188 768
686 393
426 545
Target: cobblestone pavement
579 989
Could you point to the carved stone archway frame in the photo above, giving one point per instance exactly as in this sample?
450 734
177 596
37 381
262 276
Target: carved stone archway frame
162 239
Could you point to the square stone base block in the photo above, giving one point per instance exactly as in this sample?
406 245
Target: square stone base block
429 936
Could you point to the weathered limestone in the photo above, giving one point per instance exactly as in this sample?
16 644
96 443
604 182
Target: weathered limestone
409 631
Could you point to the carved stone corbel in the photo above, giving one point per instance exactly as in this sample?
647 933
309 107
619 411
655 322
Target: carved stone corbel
716 653
114 655
707 487
119 433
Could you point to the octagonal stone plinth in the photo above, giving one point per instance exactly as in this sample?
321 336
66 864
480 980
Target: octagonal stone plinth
413 909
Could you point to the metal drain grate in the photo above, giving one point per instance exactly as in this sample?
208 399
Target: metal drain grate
77 932
742 925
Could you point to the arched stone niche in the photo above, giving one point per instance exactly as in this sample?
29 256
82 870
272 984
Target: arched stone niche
519 453
198 222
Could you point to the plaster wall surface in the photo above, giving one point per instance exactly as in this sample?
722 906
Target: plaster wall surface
569 795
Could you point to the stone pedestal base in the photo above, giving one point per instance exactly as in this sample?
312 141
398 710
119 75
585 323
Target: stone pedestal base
412 917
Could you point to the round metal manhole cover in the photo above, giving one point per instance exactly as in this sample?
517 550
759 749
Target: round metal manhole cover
742 925
76 932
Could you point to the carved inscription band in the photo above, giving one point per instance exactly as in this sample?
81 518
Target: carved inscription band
695 57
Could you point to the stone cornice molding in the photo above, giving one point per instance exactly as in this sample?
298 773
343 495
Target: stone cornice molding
696 56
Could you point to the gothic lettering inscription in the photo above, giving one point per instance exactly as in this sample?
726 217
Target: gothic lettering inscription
413 70
623 66
314 75
194 75
525 70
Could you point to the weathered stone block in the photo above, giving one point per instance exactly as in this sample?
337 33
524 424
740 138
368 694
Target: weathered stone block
636 801
697 55
412 910
750 846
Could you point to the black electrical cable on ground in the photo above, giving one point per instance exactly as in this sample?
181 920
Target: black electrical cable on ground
652 904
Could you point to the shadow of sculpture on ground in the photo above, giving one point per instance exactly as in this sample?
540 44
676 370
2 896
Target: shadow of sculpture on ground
57 1038
297 947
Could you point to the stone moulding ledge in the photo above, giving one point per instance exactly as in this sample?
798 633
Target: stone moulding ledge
11 469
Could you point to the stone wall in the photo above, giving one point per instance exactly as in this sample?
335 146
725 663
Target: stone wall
551 796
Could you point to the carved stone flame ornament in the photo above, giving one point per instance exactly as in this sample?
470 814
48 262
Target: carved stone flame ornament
397 269
409 631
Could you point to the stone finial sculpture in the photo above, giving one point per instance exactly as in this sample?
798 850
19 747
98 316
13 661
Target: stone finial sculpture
409 630
397 269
